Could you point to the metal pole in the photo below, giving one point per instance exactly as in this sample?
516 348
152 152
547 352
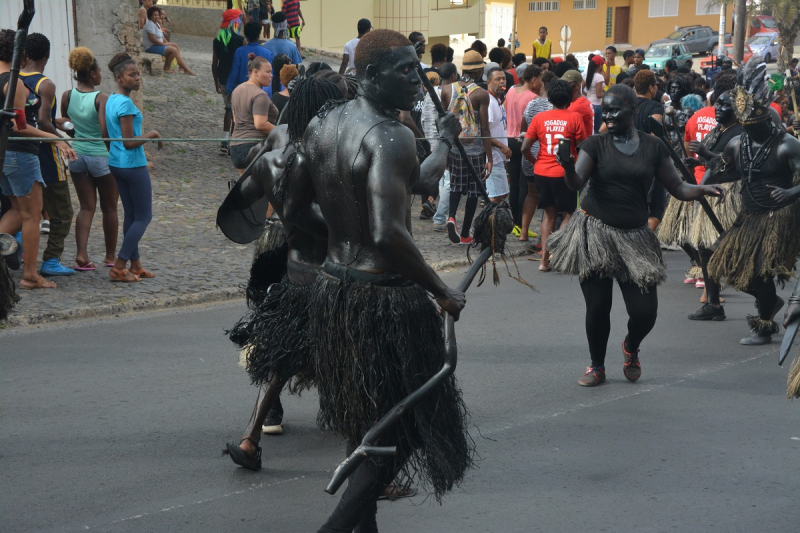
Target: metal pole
723 11
514 30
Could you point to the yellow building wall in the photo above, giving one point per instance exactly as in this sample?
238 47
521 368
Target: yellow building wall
589 25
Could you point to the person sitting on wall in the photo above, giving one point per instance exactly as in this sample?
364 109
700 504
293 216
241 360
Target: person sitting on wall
153 42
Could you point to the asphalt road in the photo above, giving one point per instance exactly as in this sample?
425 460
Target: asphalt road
117 425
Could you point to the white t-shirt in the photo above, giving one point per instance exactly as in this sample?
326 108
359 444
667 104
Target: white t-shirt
151 27
350 50
591 89
497 128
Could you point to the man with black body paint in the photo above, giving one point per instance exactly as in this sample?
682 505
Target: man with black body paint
357 162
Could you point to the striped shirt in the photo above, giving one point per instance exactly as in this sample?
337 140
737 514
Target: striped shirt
291 8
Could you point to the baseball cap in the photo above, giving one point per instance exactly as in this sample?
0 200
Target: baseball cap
638 52
229 16
364 25
472 60
598 60
572 76
558 60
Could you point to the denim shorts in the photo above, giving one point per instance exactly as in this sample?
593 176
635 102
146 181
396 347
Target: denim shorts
239 154
20 170
96 166
156 49
497 182
226 98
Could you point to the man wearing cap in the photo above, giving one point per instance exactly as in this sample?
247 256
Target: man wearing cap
580 104
280 44
638 59
225 45
610 69
349 55
474 119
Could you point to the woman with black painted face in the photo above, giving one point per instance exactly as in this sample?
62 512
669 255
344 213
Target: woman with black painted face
608 238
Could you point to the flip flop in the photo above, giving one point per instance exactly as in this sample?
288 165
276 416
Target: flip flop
242 459
88 267
108 263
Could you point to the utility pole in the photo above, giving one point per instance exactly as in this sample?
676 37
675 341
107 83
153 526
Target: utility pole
723 12
739 31
514 30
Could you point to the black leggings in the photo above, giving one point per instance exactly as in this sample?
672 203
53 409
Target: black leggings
517 181
712 287
692 253
766 296
469 211
642 310
359 504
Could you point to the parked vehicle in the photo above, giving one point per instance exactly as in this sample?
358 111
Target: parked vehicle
697 39
658 54
708 61
762 23
765 44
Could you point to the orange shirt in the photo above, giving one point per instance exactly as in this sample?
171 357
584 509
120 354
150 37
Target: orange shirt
583 107
697 128
547 128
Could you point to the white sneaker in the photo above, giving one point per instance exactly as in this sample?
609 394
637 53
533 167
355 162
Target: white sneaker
44 227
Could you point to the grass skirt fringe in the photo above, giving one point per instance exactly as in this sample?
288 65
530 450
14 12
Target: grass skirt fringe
793 379
676 226
8 295
375 345
279 344
758 246
703 234
586 246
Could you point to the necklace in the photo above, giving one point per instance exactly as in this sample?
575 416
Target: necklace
746 158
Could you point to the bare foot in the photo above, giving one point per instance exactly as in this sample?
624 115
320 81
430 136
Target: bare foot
544 268
188 72
38 283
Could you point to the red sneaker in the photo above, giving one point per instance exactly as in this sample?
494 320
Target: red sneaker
632 368
467 240
452 231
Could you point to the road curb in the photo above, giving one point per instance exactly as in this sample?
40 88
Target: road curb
184 300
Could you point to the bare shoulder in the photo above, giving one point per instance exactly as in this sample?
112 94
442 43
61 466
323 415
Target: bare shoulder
391 140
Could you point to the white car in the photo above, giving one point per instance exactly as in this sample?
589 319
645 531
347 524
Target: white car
765 44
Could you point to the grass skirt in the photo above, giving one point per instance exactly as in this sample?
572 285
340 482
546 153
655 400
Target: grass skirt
376 344
586 246
703 233
676 226
758 246
279 344
8 295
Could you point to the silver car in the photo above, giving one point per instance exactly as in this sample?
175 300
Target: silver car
765 44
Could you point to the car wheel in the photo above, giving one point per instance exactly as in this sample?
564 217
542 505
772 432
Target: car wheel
767 58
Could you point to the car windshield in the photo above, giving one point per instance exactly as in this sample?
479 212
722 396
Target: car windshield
760 39
659 51
675 36
727 51
768 23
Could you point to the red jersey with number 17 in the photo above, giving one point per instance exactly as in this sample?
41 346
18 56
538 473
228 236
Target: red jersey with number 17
697 128
548 128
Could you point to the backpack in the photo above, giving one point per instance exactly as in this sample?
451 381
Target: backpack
461 107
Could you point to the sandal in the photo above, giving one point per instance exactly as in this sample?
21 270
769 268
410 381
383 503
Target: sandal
393 492
119 275
142 273
239 457
88 267
40 283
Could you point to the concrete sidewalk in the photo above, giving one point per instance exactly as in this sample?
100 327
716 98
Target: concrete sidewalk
192 260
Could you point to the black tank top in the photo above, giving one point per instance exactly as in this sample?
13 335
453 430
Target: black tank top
32 105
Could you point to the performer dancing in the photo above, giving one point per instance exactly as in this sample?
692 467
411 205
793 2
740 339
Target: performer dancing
274 336
609 237
378 335
703 235
764 241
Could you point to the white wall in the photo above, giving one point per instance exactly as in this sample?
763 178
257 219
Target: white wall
54 20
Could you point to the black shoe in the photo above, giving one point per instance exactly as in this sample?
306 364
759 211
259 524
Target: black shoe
224 149
428 208
273 424
424 215
709 312
754 339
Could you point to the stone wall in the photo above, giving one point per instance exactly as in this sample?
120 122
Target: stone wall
203 22
107 28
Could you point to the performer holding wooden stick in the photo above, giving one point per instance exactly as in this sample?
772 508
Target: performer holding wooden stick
764 242
609 237
378 334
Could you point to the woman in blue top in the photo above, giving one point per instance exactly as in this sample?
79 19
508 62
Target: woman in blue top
128 165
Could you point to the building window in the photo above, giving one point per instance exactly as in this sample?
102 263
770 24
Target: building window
543 6
663 8
584 4
609 19
707 7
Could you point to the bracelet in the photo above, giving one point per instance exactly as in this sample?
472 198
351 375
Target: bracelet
794 299
446 141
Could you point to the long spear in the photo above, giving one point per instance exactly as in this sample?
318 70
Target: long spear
658 129
7 114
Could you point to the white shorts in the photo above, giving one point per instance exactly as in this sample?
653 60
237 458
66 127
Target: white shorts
497 182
